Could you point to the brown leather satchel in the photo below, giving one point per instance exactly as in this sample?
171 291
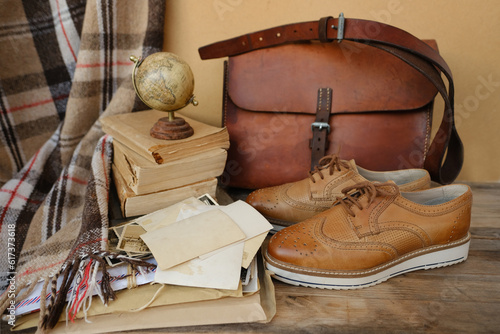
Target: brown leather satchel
364 89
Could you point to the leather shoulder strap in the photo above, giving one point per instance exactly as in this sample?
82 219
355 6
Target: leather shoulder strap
446 141
396 41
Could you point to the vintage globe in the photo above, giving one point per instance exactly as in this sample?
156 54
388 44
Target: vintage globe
163 81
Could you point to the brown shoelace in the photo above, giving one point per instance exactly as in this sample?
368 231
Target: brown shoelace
372 190
331 163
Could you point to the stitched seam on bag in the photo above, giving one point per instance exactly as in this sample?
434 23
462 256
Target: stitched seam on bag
422 71
320 100
427 136
378 268
226 92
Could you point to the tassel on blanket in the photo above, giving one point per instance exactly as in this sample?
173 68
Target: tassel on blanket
79 280
137 265
80 290
55 311
87 303
53 294
43 296
106 290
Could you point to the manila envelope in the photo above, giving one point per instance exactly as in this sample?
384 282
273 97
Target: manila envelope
220 271
256 307
252 245
129 300
168 215
252 223
210 312
189 238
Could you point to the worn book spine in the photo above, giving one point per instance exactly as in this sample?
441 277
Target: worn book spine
143 176
136 205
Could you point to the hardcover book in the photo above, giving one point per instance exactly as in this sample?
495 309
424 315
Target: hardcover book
143 176
133 131
133 205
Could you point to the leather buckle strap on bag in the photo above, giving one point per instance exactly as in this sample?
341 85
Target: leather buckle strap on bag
323 28
444 157
320 127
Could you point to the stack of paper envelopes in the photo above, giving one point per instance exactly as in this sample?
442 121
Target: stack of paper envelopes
207 272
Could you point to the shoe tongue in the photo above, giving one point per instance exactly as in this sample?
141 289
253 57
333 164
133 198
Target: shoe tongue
352 163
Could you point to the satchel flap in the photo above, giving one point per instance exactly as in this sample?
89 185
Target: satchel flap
286 78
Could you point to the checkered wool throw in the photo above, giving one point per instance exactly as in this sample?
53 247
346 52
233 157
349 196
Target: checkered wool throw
64 64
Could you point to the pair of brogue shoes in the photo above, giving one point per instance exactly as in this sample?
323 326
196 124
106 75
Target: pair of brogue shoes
345 227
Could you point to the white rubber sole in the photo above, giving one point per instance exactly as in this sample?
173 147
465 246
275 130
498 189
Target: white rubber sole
430 259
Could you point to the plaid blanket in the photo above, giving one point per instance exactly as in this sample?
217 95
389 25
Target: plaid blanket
64 65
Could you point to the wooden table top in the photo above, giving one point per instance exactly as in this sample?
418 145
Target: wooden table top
463 298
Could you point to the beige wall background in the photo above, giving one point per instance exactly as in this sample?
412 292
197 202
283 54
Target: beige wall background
467 33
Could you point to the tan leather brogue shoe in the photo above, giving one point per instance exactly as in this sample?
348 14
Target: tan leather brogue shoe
374 233
291 203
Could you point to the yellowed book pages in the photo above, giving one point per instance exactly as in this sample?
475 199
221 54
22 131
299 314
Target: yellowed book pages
136 205
132 130
143 176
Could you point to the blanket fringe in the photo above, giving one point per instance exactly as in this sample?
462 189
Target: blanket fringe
92 286
79 281
55 311
137 264
5 299
53 293
43 304
106 290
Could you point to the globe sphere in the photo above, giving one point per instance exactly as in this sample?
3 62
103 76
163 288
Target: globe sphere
164 81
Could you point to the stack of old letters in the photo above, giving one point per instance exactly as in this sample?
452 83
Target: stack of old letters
151 173
208 271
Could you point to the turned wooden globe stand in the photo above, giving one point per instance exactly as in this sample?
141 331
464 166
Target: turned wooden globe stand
171 128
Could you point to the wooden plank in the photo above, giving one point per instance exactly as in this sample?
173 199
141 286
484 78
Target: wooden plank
460 298
486 204
463 298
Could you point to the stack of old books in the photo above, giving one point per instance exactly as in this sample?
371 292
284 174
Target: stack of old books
151 174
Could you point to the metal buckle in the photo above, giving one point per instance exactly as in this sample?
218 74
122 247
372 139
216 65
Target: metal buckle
320 126
340 28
